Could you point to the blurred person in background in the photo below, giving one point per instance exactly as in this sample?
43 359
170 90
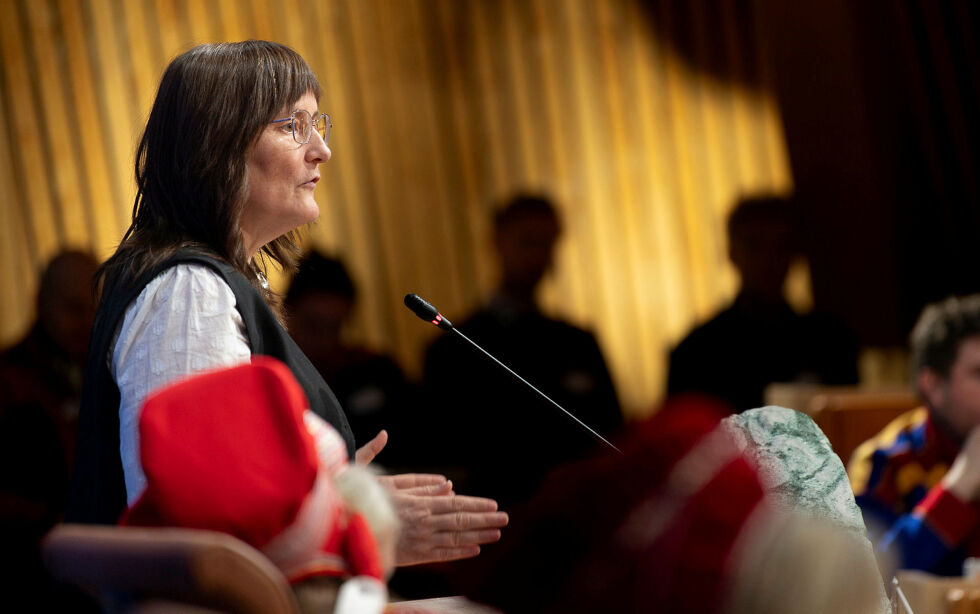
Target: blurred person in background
41 379
45 368
759 339
370 386
918 480
268 479
513 437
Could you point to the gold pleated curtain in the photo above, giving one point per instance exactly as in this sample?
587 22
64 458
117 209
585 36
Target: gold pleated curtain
441 108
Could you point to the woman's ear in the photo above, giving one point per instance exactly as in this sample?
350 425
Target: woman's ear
932 387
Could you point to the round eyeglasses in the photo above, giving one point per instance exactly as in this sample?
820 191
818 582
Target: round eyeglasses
302 124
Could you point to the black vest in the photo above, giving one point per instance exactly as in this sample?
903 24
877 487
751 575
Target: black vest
98 493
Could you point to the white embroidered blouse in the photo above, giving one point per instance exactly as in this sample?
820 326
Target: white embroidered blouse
184 321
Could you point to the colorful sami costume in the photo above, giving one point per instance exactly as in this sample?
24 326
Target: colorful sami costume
896 478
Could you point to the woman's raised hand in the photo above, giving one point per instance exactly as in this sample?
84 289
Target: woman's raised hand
437 524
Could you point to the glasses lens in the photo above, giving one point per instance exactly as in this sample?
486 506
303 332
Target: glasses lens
323 127
302 126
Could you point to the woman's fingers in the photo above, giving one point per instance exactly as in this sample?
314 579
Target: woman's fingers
435 490
456 539
469 522
461 503
366 453
411 480
443 527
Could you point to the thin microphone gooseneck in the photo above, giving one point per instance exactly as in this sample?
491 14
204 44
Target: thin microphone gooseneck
425 310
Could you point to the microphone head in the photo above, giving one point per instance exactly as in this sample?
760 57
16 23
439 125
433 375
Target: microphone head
425 310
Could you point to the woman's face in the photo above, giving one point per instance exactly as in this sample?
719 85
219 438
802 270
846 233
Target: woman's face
282 175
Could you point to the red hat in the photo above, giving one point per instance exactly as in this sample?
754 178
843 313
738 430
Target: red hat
653 529
231 451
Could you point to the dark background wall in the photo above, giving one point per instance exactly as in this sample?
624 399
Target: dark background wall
880 104
880 108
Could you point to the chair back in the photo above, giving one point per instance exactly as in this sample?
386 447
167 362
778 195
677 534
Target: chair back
137 569
850 417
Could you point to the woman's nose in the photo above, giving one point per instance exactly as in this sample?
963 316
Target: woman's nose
318 150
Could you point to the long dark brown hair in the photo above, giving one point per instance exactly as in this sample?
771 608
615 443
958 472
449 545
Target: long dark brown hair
213 103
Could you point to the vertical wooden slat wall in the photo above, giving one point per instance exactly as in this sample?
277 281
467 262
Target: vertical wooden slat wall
441 109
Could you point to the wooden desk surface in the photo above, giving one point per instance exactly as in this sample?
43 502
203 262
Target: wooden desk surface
441 605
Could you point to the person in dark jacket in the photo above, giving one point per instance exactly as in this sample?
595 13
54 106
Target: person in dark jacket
515 438
369 385
759 339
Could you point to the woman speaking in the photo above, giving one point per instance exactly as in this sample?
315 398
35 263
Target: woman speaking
225 171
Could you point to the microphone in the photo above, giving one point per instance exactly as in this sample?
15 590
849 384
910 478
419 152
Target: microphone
425 310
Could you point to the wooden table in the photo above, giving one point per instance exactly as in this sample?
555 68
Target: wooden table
440 605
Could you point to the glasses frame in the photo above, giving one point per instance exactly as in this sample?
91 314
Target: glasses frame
314 125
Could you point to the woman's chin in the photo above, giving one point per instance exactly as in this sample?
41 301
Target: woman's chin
313 211
313 218
309 214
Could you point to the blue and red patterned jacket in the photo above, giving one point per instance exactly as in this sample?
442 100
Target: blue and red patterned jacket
896 478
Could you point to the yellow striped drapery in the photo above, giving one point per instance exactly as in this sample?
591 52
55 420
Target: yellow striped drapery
441 108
